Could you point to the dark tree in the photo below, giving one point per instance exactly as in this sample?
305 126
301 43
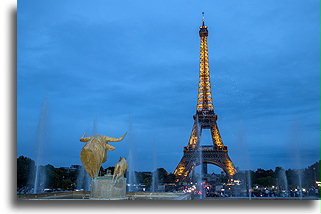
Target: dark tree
170 178
162 175
25 171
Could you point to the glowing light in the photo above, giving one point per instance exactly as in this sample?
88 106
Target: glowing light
204 98
230 168
216 137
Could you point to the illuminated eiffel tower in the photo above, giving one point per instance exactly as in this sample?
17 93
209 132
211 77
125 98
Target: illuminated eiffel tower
205 118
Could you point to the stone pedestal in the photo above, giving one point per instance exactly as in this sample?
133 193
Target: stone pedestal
105 188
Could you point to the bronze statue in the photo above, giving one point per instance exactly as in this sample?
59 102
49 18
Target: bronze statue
94 153
120 168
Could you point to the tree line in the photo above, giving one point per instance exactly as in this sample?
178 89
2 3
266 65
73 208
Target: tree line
65 179
56 178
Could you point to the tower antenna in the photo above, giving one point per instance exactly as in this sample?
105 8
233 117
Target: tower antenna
203 19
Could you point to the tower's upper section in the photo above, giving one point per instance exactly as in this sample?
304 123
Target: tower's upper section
204 99
203 29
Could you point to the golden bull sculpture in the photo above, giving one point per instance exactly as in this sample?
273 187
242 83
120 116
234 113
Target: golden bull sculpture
94 153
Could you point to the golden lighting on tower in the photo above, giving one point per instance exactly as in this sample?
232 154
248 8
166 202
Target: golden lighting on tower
205 118
204 100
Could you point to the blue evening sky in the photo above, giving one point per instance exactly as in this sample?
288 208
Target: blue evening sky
107 67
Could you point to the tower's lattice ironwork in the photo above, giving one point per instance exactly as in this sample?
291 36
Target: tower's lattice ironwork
205 118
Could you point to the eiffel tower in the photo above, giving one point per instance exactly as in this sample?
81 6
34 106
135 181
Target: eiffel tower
205 118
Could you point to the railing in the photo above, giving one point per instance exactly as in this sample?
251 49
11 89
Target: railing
206 148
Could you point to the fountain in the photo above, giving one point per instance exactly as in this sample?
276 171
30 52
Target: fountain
199 182
132 181
40 176
247 173
155 181
282 182
248 183
295 140
131 175
154 185
83 180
